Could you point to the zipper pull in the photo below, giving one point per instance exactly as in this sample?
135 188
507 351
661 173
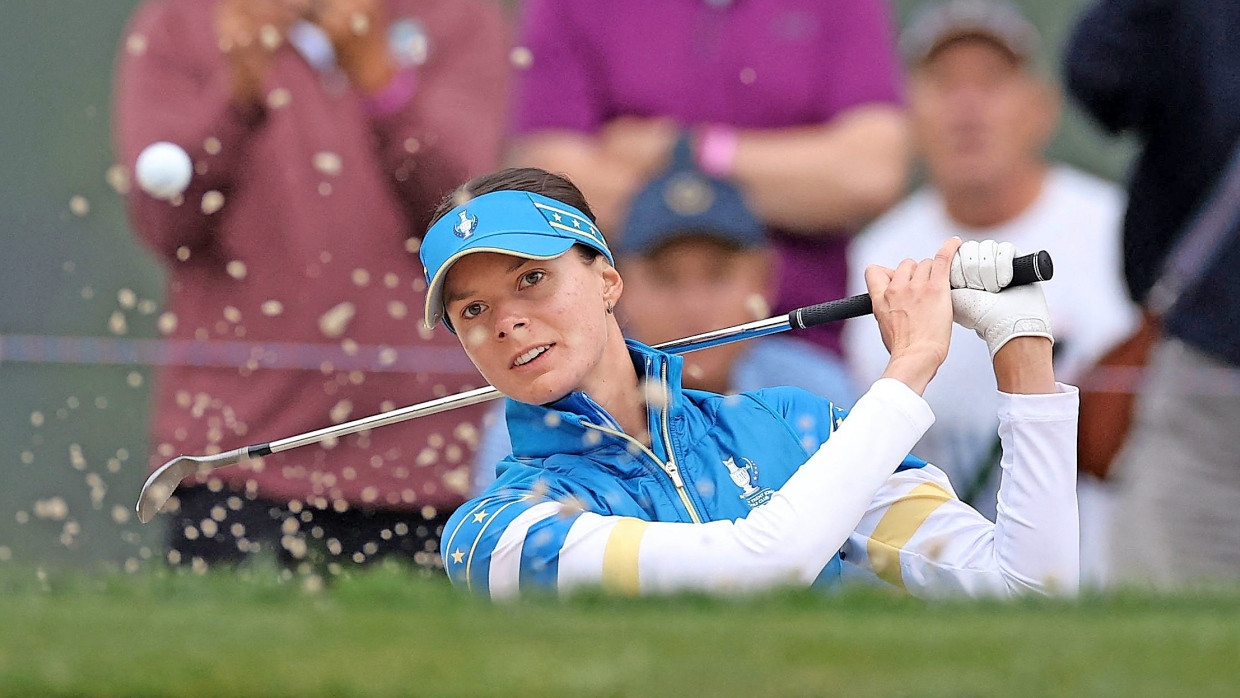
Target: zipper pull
674 473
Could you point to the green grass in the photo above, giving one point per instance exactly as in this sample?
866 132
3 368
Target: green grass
385 632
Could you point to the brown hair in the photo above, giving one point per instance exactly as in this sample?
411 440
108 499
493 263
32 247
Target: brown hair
529 179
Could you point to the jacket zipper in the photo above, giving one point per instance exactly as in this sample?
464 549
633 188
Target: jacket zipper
670 466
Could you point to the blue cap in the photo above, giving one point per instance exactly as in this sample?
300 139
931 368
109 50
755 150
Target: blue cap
683 200
518 223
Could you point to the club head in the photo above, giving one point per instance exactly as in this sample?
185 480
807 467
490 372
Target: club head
163 482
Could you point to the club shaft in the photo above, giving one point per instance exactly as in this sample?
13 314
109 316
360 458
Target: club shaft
422 409
758 328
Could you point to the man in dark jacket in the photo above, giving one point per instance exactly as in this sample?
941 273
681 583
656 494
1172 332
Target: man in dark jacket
1169 72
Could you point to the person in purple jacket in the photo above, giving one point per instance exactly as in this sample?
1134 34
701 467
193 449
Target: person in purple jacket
322 134
794 101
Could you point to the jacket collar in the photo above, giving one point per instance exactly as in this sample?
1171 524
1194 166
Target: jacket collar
560 427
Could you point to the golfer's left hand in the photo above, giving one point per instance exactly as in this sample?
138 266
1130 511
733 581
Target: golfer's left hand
913 306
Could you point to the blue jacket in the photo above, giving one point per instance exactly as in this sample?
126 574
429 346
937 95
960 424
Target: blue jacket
712 457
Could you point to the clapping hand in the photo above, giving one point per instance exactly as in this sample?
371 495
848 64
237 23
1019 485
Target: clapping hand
358 32
249 32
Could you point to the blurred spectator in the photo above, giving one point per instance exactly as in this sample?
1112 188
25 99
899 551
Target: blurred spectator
1169 72
322 135
694 258
982 117
794 101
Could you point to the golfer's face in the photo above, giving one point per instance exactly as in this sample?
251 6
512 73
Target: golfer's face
536 329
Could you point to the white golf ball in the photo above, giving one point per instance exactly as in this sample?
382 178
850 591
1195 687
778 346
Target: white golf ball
163 169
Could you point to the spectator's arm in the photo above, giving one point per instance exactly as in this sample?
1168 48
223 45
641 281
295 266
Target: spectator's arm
1116 60
834 176
172 86
607 180
831 177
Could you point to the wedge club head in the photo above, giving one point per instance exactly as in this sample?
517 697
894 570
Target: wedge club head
163 482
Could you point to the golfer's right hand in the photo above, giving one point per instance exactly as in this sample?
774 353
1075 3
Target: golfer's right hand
913 306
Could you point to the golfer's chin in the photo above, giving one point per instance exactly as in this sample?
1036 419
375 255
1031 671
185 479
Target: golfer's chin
539 390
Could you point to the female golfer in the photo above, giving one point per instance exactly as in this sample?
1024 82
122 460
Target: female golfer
621 479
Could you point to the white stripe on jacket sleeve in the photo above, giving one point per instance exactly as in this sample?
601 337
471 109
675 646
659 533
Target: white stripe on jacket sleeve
505 572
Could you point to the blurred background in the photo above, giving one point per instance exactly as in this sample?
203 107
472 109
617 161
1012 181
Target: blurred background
72 425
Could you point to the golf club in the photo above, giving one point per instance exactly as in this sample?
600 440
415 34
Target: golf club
163 481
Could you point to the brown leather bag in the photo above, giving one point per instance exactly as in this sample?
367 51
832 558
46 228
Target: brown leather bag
1109 389
1108 395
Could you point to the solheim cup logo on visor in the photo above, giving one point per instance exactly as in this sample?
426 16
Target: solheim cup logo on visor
466 226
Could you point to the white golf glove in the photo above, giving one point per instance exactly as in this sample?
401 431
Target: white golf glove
979 271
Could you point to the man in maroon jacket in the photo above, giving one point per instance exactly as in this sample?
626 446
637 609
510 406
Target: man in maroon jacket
322 134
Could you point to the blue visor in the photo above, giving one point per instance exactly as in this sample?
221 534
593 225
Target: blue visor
518 223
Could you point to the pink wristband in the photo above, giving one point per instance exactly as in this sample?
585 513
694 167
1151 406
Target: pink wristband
716 151
395 96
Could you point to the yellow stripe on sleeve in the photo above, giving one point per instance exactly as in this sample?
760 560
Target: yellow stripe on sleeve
898 525
620 556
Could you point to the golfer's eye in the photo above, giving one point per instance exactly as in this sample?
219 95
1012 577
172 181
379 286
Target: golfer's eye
471 311
530 278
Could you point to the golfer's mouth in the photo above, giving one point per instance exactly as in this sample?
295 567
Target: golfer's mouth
531 355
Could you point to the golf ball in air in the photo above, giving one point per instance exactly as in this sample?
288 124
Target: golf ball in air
163 169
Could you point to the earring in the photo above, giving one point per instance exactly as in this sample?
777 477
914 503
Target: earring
609 308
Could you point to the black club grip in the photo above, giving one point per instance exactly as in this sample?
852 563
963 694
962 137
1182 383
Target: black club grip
1029 268
1026 269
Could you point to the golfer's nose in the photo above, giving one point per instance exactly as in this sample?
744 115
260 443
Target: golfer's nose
509 320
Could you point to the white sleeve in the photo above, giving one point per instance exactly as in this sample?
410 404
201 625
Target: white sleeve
918 535
787 540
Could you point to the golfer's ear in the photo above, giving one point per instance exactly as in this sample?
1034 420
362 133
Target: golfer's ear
613 284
